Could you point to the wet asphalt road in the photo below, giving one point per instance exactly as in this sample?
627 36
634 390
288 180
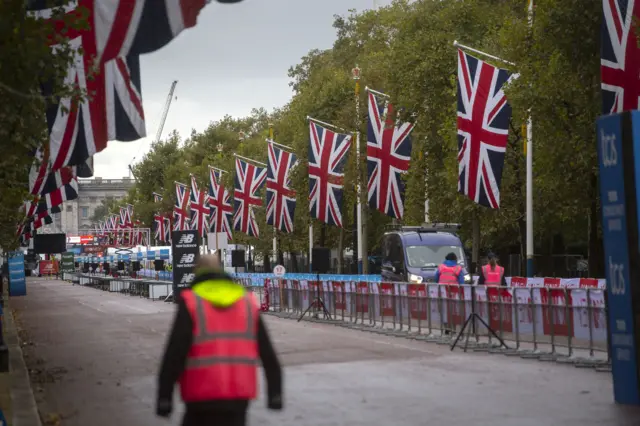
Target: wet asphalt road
95 356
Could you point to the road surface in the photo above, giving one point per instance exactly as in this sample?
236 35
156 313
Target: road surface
95 356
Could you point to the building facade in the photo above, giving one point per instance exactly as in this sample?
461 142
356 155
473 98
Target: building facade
76 215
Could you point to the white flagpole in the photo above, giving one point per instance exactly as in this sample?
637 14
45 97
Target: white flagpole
356 77
275 232
529 200
310 247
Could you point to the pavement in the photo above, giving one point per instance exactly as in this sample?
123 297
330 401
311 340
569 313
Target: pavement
94 356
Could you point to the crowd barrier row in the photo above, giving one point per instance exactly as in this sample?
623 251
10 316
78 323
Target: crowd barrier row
259 279
539 321
553 322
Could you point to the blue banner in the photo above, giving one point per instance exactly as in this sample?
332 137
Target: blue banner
17 281
616 244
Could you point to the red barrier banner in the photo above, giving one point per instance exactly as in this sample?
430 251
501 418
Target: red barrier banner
315 289
456 312
48 267
518 282
338 295
500 312
417 300
362 297
387 299
554 313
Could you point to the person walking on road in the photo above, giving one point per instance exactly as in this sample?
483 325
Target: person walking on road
492 274
216 343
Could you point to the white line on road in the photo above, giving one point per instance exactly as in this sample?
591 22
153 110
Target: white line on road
92 307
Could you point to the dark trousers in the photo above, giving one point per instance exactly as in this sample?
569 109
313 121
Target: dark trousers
215 418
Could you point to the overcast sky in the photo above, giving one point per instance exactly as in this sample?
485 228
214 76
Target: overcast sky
234 60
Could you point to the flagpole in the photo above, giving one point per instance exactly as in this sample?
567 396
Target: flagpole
310 245
324 123
249 159
529 201
270 140
359 227
275 225
480 52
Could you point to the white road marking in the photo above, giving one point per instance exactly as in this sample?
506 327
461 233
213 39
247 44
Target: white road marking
92 307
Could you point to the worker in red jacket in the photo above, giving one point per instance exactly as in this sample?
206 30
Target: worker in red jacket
217 342
492 274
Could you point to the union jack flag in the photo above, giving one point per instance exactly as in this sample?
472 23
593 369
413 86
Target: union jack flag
219 203
159 221
388 156
281 199
181 208
483 123
248 181
620 56
327 157
119 32
199 210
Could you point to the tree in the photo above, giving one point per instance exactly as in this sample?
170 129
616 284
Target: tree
406 51
27 64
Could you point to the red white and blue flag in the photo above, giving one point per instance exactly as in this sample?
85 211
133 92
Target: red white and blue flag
199 209
219 201
620 56
281 199
159 221
248 181
388 156
181 208
118 32
483 125
327 157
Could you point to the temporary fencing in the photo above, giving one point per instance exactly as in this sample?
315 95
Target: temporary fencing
550 322
555 320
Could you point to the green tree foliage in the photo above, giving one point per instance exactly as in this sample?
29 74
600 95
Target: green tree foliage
406 51
26 63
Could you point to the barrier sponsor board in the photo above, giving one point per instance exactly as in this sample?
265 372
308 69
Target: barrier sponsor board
48 267
68 262
617 147
17 281
186 250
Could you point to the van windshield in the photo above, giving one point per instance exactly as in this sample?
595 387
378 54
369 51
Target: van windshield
431 256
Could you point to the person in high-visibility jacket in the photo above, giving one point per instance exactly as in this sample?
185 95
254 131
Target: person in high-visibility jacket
492 273
213 352
449 272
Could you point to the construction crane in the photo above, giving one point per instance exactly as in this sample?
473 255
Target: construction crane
165 111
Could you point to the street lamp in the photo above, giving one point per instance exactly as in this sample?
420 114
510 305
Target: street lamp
355 72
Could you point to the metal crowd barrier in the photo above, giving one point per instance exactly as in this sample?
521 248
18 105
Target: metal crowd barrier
150 289
566 325
551 324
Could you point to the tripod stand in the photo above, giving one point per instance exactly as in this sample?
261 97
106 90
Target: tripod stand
470 319
317 303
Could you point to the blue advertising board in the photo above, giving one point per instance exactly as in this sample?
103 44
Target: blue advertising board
17 281
615 224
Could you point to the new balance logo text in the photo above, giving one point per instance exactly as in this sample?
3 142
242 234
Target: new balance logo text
187 258
187 278
186 239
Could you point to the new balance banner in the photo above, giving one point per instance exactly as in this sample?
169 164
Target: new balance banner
17 281
186 250
68 264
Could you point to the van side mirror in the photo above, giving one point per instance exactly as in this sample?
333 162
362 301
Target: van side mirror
388 267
